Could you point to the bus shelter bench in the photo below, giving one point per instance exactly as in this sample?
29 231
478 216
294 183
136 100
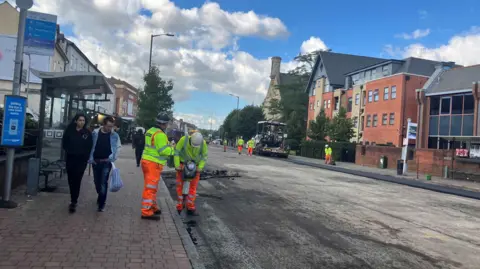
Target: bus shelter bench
48 168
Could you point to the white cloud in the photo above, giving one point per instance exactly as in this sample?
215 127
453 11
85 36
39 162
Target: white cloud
312 44
463 49
419 33
201 121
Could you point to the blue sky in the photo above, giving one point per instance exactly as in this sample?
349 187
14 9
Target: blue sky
354 27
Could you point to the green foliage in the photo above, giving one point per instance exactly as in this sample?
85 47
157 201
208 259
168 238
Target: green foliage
245 125
319 127
341 128
156 97
341 151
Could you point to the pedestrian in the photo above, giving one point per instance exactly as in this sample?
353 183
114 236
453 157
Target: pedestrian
225 142
154 158
251 145
77 142
189 149
138 143
240 143
106 143
328 154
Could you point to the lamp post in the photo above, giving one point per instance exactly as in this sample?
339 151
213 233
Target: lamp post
151 47
238 101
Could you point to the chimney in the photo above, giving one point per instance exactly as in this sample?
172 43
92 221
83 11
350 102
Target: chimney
275 67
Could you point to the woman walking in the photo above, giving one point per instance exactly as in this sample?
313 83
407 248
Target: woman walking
77 143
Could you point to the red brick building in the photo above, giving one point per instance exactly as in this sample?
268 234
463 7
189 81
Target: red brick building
126 98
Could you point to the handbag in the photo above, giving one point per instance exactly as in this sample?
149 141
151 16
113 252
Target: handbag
116 182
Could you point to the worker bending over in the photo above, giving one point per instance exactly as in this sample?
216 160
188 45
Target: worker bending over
154 158
189 150
251 145
240 144
328 154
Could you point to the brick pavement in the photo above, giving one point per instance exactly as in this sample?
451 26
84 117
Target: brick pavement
42 234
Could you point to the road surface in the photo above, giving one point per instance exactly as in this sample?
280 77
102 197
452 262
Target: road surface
282 215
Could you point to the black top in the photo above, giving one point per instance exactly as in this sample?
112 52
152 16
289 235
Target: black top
138 141
78 143
103 148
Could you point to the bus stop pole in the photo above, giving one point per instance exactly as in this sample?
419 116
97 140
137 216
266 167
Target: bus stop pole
17 77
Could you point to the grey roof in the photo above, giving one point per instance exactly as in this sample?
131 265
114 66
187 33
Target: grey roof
460 78
286 79
418 66
337 64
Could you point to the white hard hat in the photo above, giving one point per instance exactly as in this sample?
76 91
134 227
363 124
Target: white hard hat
196 139
326 145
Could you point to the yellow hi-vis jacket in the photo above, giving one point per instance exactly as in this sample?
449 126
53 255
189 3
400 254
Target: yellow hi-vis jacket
184 151
240 142
251 143
328 151
157 148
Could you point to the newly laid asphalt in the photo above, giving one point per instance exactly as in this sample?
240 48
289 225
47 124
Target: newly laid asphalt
284 215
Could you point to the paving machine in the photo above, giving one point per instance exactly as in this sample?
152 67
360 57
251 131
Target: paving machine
270 139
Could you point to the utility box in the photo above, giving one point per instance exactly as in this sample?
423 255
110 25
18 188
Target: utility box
399 167
383 162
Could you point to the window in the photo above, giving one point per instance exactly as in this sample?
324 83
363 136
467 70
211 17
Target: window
457 104
385 93
369 120
394 92
445 105
318 103
375 95
384 119
385 70
370 94
375 120
319 81
314 91
355 122
364 98
468 104
337 103
434 105
392 118
368 75
328 103
357 98
311 106
349 106
374 73
325 104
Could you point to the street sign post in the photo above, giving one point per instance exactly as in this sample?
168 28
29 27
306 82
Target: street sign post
40 33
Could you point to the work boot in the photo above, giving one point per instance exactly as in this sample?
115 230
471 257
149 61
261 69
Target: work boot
152 217
72 208
158 212
192 213
179 212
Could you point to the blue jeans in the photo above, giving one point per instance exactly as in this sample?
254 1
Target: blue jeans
101 173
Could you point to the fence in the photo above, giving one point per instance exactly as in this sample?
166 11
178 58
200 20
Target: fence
341 151
29 142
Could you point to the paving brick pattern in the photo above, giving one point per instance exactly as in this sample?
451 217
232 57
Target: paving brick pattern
42 234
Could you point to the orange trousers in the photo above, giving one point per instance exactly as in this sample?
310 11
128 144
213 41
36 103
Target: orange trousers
250 151
192 192
225 148
328 158
151 177
240 148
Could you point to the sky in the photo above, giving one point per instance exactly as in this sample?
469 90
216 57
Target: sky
224 47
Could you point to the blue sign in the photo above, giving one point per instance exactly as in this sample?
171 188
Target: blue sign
40 33
14 119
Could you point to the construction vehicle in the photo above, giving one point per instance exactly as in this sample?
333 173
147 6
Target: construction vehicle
270 139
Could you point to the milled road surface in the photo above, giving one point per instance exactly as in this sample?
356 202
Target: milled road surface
282 215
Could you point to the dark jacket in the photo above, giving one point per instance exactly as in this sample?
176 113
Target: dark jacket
138 141
78 143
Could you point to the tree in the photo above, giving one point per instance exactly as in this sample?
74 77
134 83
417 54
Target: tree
156 97
341 128
319 127
245 125
229 124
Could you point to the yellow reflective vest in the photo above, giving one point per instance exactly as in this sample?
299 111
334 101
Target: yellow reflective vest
240 142
251 143
328 151
157 148
184 151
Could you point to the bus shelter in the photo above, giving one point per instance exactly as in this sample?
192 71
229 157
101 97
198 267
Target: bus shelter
71 87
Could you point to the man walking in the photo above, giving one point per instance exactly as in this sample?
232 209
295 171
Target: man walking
155 156
106 143
138 143
328 154
189 149
251 145
240 143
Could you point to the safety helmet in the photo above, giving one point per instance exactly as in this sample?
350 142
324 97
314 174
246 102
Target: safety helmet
326 145
162 118
196 139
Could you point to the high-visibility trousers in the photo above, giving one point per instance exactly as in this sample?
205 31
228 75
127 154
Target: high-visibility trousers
192 191
250 151
224 148
328 158
151 176
240 148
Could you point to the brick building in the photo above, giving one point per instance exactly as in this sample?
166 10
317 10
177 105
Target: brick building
126 98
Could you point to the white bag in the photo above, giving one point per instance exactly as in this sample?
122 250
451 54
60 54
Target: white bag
116 182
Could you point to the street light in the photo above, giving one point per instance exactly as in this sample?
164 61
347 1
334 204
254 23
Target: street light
238 101
151 45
